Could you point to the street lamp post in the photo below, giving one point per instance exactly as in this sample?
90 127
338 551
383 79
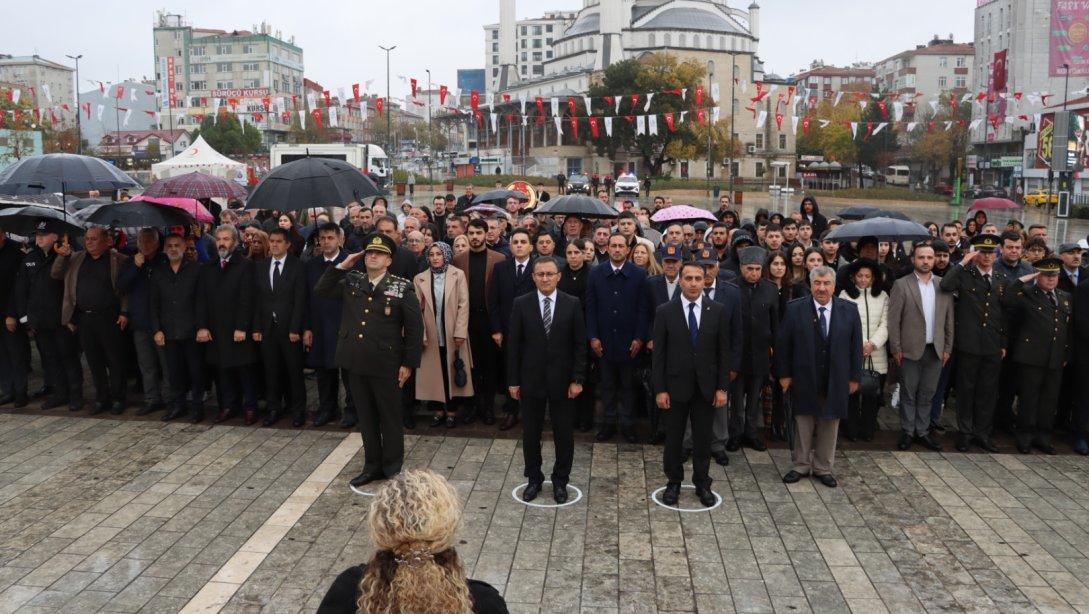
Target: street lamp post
710 130
430 140
389 110
733 133
79 125
1066 82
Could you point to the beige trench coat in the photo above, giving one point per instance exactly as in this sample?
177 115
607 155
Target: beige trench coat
456 324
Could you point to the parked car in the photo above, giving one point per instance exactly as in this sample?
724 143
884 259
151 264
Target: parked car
943 188
626 184
1040 197
578 184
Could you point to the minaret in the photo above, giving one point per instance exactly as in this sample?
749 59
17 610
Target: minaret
611 49
508 69
754 20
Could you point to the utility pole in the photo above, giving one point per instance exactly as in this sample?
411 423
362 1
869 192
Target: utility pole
430 139
733 132
79 124
389 107
710 130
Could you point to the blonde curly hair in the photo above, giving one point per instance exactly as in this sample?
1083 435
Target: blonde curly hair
413 521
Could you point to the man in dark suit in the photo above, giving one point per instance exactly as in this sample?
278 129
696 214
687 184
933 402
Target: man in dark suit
546 365
1071 274
511 278
616 324
1081 339
760 321
280 310
174 305
380 343
819 362
323 326
691 365
479 264
660 290
224 321
1040 351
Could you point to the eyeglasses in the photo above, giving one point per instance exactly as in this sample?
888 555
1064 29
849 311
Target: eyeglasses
545 274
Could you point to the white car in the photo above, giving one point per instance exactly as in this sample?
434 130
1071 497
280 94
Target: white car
626 184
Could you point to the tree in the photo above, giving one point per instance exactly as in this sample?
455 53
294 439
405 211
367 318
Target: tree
229 136
22 127
309 132
875 150
64 140
435 142
934 147
657 72
834 141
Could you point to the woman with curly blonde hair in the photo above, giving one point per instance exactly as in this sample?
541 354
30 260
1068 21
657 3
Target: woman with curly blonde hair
413 520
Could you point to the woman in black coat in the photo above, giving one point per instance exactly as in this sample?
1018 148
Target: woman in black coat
413 519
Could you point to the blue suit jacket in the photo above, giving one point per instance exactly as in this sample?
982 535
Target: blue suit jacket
795 356
614 309
323 316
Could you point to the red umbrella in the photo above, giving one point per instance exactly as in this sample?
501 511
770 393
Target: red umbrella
993 202
195 185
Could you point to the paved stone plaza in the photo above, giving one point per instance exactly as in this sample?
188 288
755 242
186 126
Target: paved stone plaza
127 516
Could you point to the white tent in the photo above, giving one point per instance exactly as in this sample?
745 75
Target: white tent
199 157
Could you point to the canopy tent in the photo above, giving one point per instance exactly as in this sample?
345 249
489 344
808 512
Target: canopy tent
199 157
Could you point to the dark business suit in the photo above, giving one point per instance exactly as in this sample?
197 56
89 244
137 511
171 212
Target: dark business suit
227 307
174 307
615 316
821 370
323 321
505 286
691 374
1066 410
726 294
279 312
1081 365
657 294
760 321
543 364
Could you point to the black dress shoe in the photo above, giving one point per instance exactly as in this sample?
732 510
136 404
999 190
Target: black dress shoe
117 408
451 421
828 480
173 414
468 417
629 436
721 458
531 491
75 405
986 445
962 442
365 478
41 392
792 477
706 497
299 420
672 494
7 398
585 426
224 415
148 408
606 433
99 408
658 438
904 443
1046 448
409 422
437 421
272 418
930 443
52 403
757 444
1024 448
733 444
196 416
559 493
488 418
509 422
322 418
347 419
1081 446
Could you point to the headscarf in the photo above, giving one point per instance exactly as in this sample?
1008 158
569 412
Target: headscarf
447 256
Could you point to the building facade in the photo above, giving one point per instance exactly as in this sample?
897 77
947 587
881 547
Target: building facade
532 45
822 81
52 82
143 146
941 65
201 69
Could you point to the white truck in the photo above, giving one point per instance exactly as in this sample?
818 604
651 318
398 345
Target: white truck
370 159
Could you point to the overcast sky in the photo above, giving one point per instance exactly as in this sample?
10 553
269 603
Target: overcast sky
340 38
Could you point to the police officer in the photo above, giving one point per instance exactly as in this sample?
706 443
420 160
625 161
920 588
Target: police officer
36 304
381 339
980 341
1039 350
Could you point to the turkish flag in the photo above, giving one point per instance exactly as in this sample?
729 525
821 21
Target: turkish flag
285 116
378 104
575 126
884 108
355 92
593 126
634 100
265 102
700 116
317 116
413 83
699 95
778 120
805 125
328 101
474 100
609 100
506 97
479 118
120 92
540 107
442 95
999 72
233 102
669 122
571 104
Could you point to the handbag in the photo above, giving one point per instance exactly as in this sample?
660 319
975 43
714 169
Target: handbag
869 384
460 377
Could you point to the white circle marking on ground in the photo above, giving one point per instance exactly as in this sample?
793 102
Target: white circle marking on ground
718 501
514 495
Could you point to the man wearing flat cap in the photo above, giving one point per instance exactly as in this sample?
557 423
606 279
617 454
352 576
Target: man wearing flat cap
1040 350
381 339
1072 272
980 341
759 323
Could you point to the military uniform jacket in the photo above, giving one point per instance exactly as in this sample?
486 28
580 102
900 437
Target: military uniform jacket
1043 333
381 330
980 321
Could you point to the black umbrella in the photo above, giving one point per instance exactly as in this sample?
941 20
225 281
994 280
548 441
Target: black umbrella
80 204
856 212
884 228
61 172
577 205
311 182
134 214
30 219
48 201
499 197
886 213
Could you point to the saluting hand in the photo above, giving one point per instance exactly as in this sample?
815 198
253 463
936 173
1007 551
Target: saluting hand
350 261
1027 278
969 257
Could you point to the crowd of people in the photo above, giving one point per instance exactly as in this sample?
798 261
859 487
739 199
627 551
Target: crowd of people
507 318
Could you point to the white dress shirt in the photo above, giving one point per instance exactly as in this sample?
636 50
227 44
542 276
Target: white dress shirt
540 303
1073 275
272 268
699 308
330 260
928 294
671 286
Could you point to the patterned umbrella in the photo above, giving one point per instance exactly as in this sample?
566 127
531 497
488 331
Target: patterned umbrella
195 185
191 206
62 173
487 210
680 213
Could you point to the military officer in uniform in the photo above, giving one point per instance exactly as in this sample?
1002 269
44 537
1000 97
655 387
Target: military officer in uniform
1040 350
379 345
980 341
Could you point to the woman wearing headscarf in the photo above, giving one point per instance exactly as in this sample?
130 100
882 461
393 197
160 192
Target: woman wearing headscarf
413 521
444 299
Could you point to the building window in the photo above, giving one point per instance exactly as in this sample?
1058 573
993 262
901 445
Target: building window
251 66
523 43
196 51
224 85
759 169
223 67
759 140
960 62
523 30
782 141
536 43
943 62
536 56
495 47
523 56
198 85
248 48
523 70
495 72
223 49
251 83
495 59
962 83
536 30
196 69
538 69
548 29
495 35
548 54
942 81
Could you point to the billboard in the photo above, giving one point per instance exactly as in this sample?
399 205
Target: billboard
1068 39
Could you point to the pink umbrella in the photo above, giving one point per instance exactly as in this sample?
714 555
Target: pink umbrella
993 202
191 206
679 213
196 185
